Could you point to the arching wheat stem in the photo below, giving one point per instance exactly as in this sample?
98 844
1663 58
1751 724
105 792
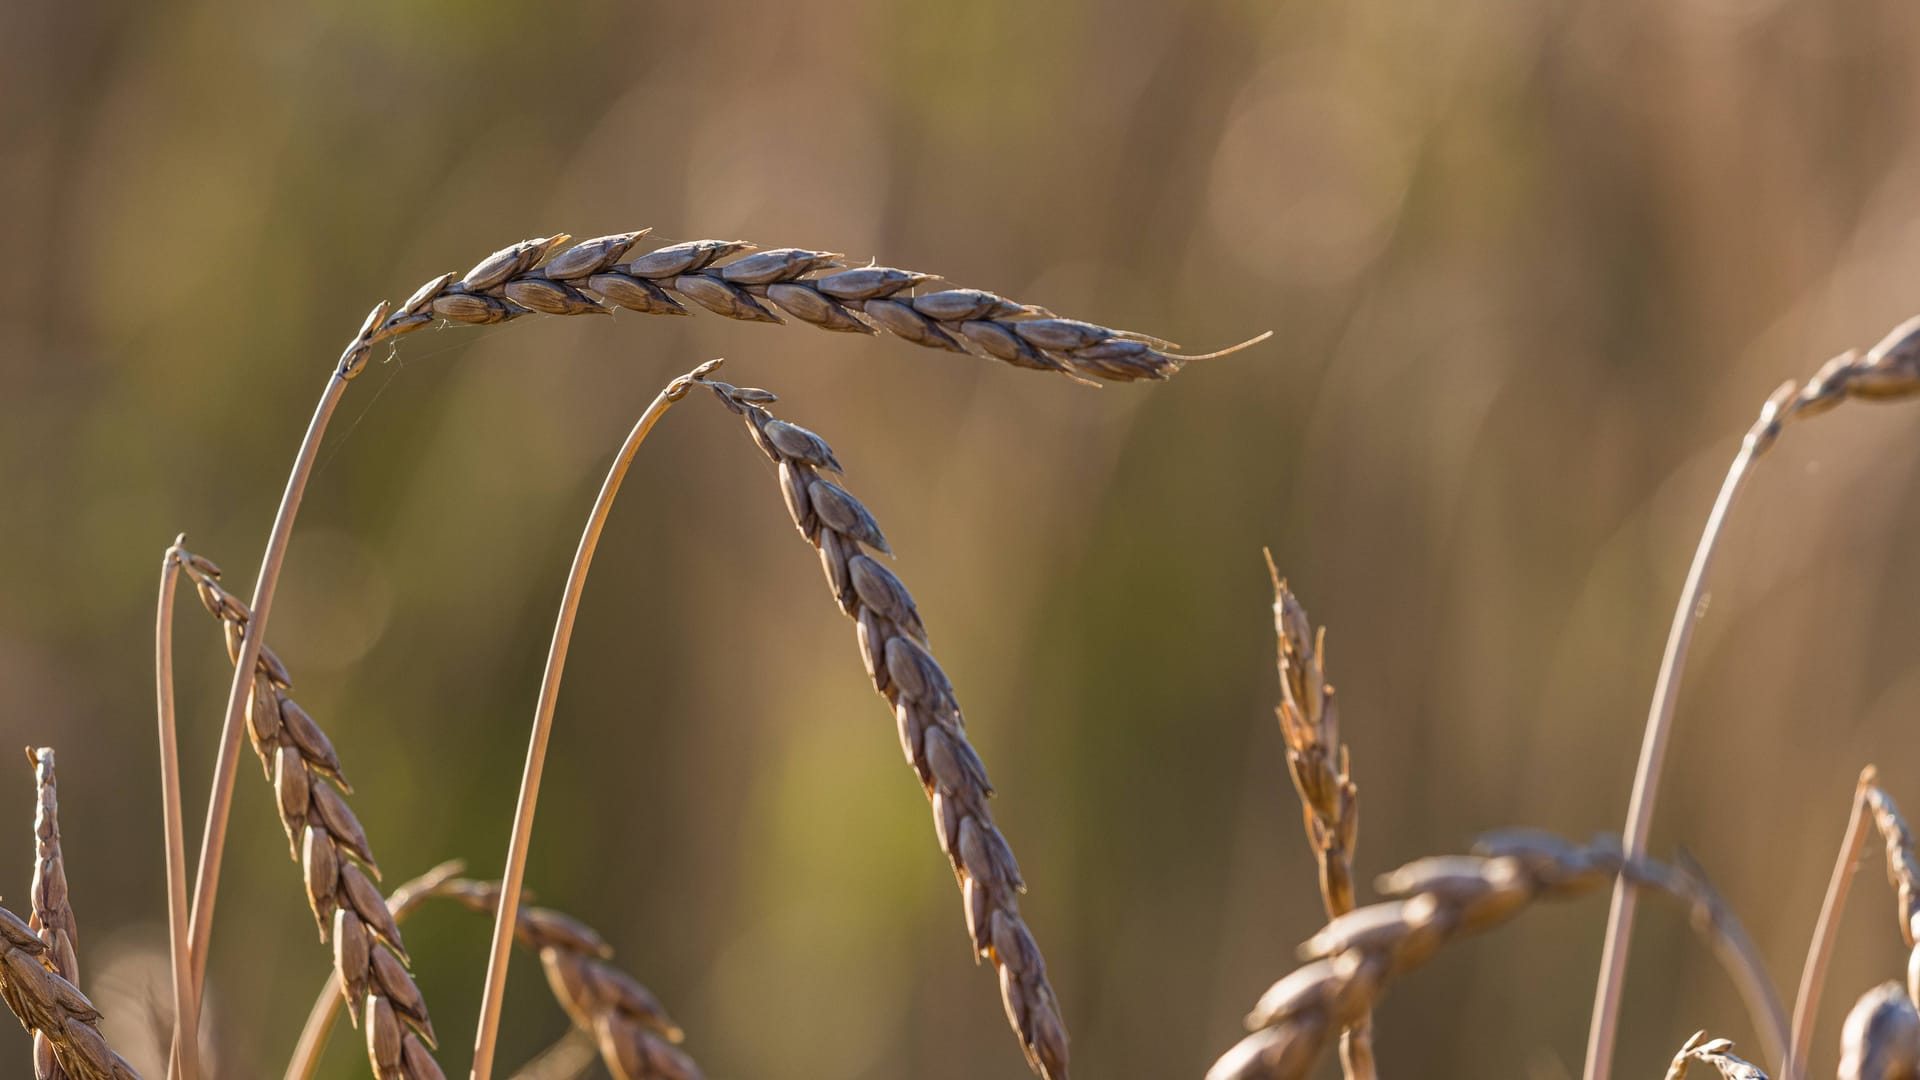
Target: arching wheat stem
513 878
1890 371
184 1060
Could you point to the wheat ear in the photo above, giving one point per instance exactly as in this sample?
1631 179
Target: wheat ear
1317 759
893 642
1717 1053
48 1004
327 840
625 1021
1437 900
52 916
1881 1038
1890 371
513 879
184 1063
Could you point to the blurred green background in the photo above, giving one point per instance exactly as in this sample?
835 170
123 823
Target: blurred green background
1532 268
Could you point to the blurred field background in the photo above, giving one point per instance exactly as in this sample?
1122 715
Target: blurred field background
1532 268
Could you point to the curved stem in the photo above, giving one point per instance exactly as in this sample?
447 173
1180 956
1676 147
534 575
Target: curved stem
516 870
1653 751
1813 974
220 801
185 1062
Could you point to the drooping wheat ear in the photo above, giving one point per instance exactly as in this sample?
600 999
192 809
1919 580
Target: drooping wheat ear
330 845
1881 1038
1717 1053
529 277
1890 371
1436 900
48 1004
1329 800
52 916
635 1036
893 642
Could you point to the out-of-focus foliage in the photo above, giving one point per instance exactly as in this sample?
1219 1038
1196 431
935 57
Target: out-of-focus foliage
1532 267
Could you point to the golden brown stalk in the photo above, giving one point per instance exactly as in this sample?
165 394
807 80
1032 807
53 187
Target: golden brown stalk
1813 973
1890 371
184 1063
337 863
621 1018
1717 1053
893 642
52 916
1437 900
1881 1038
48 1004
513 879
1317 759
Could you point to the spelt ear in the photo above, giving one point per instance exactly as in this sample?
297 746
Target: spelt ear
893 643
328 841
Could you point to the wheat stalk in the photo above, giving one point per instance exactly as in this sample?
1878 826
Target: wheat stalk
184 1061
1890 371
1317 760
1717 1053
1438 899
50 1005
893 642
327 840
1881 1038
52 916
635 1037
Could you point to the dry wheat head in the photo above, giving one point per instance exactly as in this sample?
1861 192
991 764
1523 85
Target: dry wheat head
47 1004
52 916
1717 1053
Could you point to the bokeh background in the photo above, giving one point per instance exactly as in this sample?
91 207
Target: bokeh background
1531 269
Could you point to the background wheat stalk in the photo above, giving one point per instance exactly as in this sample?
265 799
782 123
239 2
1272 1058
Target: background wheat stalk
1317 760
1438 899
1890 371
327 840
893 642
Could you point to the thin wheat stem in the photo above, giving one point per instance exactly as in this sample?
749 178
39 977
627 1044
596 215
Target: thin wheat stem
185 1060
514 877
220 800
1890 371
1813 975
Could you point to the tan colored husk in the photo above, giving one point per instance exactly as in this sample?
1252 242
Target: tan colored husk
893 642
1881 1038
48 1004
1434 901
1717 1053
620 1018
328 842
1317 760
732 279
52 916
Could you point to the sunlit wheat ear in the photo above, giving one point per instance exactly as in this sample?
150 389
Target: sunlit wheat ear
1317 759
1881 1038
622 1019
1890 371
1717 1053
893 641
331 847
1438 900
815 287
52 916
49 1005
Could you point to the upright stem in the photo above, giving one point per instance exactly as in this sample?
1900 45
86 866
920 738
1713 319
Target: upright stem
1813 975
185 1063
516 871
220 801
1653 751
